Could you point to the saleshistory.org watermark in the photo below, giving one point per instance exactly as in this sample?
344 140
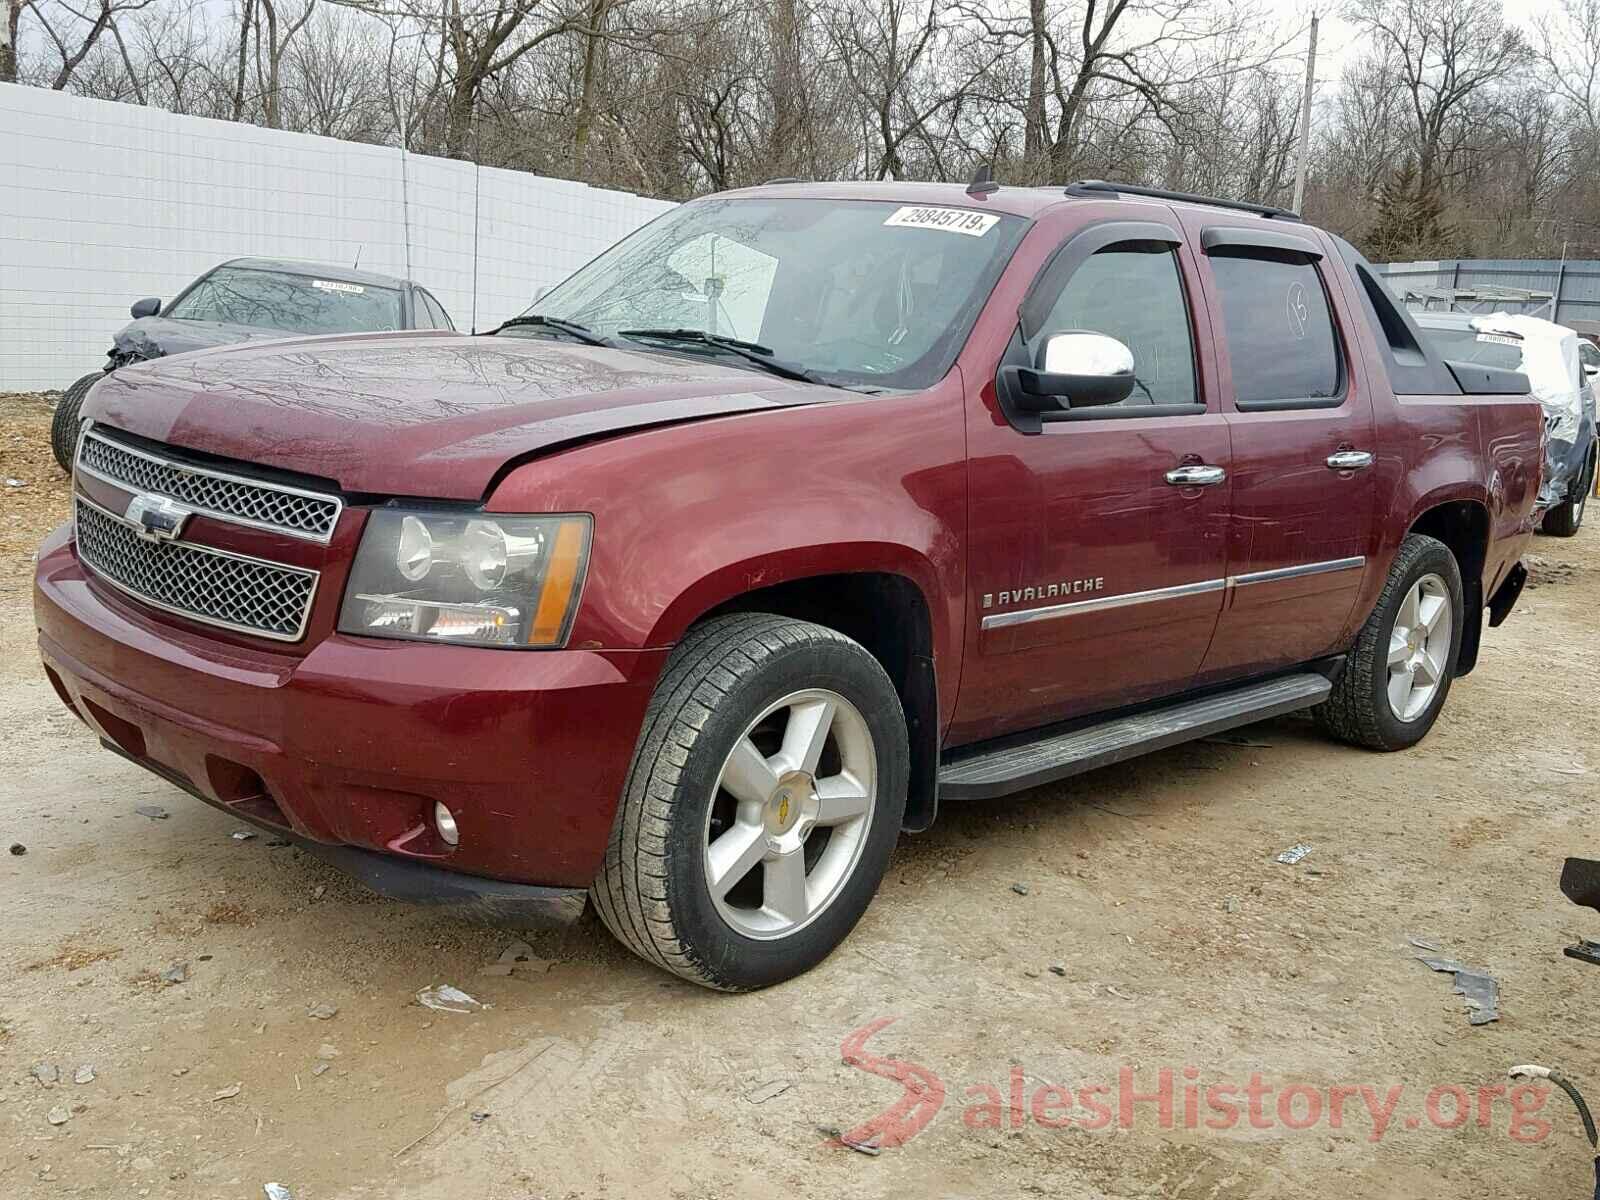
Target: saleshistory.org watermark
1182 1098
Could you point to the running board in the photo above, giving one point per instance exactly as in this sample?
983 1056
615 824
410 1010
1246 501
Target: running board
1014 767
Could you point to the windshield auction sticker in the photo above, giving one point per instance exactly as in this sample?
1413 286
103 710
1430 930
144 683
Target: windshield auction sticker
946 220
331 285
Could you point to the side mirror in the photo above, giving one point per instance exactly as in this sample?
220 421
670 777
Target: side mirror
1077 369
1591 370
148 307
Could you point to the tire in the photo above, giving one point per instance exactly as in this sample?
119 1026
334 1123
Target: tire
1362 709
655 891
64 425
1565 519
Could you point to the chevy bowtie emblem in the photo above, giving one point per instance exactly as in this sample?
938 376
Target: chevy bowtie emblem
158 519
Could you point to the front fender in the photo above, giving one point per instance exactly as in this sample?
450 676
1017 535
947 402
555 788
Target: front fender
796 562
691 516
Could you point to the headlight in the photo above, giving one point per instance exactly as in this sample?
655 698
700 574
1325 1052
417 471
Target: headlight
478 579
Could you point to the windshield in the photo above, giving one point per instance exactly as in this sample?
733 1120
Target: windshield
293 303
859 291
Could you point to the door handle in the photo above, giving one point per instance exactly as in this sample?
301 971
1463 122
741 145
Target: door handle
1349 460
1196 476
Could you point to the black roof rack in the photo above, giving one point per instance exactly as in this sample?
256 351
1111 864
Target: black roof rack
782 179
1101 187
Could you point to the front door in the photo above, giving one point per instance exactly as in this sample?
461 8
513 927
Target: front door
1097 556
1304 453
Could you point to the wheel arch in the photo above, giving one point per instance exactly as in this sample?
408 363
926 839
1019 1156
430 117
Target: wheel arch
1463 526
888 612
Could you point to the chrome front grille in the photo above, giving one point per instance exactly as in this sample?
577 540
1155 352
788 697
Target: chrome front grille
213 586
243 501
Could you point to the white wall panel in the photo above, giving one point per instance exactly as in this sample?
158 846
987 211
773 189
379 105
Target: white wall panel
102 203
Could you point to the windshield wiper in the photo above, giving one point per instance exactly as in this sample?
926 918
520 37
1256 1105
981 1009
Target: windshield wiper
571 328
751 352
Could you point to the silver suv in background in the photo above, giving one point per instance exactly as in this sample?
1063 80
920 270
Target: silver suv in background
1563 369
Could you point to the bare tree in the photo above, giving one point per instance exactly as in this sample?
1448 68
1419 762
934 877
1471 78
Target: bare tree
8 40
71 31
886 50
1566 49
1447 52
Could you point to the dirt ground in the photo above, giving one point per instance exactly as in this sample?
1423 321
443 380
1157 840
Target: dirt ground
1130 921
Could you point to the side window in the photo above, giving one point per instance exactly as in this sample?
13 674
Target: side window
421 318
441 319
1589 355
1279 329
1133 291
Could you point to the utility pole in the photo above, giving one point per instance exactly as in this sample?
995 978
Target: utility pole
1305 120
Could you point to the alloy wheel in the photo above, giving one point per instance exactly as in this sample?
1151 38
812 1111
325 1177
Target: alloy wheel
1419 647
790 814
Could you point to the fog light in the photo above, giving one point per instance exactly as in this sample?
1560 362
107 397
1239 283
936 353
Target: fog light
446 824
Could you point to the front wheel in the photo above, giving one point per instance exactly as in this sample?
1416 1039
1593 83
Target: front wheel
766 793
64 424
1398 675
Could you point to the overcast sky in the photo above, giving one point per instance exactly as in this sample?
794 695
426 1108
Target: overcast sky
1337 40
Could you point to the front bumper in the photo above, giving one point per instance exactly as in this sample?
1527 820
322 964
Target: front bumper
349 746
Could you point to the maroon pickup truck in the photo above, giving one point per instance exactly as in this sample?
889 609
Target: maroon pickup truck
799 512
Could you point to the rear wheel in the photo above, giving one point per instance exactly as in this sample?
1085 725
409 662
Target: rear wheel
64 425
765 796
1398 675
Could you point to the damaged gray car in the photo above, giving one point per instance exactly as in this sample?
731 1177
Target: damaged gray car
1563 373
253 299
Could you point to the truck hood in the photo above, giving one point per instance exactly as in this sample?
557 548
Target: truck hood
157 337
421 414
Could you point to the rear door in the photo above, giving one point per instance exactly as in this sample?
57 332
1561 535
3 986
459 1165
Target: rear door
1096 571
1300 534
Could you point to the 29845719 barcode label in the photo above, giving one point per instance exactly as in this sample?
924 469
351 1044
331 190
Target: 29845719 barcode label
945 220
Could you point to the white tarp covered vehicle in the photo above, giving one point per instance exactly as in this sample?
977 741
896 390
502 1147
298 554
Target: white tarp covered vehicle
1550 356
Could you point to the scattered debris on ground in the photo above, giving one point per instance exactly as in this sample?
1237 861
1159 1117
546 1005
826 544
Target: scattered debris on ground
18 849
323 1011
154 811
517 957
1480 990
445 998
1293 854
176 973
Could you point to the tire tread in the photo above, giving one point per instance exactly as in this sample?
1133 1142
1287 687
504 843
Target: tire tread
64 422
630 892
1348 713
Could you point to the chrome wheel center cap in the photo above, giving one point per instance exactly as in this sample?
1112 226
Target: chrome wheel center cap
792 809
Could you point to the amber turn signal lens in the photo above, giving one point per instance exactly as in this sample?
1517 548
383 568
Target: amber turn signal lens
561 578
